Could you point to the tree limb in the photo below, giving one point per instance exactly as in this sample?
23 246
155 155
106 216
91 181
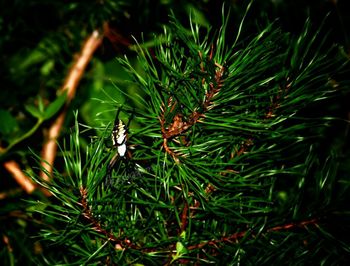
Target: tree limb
70 85
15 170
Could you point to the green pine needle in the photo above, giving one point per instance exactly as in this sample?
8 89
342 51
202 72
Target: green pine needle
225 163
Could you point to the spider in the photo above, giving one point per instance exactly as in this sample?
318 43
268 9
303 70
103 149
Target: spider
119 138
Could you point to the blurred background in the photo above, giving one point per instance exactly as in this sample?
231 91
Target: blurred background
40 42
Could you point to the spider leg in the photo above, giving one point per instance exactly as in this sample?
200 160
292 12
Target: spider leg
130 118
110 166
116 120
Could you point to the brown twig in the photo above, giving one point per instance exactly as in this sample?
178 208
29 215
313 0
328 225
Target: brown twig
292 225
275 104
234 237
178 126
6 241
114 36
70 85
189 211
276 101
184 217
24 181
87 213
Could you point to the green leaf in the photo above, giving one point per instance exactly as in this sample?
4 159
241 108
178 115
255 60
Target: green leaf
47 67
198 17
41 105
55 106
34 57
180 248
33 111
183 235
8 124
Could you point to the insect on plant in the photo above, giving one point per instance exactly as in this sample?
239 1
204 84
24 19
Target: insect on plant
119 138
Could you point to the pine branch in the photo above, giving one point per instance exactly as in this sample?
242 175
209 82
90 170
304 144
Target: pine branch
243 168
236 236
87 213
178 126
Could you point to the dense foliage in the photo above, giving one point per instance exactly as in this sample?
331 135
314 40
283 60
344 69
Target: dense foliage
236 151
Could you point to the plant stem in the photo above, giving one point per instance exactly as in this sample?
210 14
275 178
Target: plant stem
23 137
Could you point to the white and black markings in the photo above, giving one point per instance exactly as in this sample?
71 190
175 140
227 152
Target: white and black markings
119 140
119 137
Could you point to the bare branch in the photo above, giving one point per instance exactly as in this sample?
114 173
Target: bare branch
24 181
70 85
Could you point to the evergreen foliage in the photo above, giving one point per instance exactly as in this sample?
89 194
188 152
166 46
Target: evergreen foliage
226 160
